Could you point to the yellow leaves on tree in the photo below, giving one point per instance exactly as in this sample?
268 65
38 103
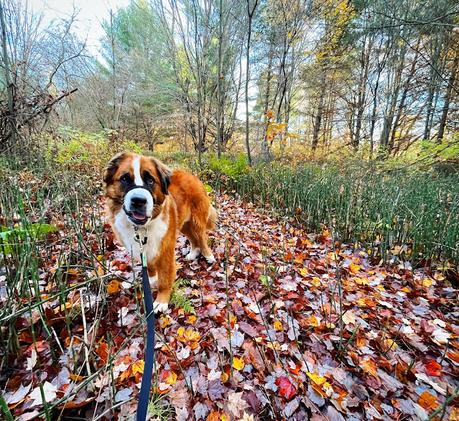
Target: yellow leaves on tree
275 129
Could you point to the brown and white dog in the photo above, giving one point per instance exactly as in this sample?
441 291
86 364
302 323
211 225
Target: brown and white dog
141 191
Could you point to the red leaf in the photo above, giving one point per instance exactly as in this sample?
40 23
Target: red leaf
433 368
286 388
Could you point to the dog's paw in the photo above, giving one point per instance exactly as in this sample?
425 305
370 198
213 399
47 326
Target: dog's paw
160 307
193 254
210 259
153 280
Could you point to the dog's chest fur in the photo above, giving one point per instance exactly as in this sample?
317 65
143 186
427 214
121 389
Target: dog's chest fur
154 231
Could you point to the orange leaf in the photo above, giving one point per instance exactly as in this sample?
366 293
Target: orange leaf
102 352
313 321
453 355
188 335
217 416
125 374
428 401
113 287
369 367
165 321
278 325
214 416
454 415
191 319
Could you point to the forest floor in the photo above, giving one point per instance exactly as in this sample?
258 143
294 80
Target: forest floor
285 325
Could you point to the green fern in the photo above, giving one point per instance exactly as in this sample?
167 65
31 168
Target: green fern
179 299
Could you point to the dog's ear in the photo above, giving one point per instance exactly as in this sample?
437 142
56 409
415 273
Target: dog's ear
112 167
164 173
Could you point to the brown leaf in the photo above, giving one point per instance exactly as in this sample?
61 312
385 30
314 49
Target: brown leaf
248 328
253 355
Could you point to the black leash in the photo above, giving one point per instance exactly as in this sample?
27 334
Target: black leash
149 356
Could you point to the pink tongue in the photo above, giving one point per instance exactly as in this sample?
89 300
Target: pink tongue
138 216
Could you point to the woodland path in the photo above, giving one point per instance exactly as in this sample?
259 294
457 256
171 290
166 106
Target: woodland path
285 323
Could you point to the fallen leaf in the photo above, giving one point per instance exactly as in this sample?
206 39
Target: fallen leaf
113 286
12 398
369 367
49 392
433 368
277 324
286 388
238 363
236 404
428 401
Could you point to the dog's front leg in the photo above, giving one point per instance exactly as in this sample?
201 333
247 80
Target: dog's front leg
166 273
152 274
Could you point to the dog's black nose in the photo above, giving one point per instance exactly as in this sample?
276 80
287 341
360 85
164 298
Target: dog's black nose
138 202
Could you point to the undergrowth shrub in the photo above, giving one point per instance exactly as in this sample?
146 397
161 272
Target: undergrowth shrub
233 167
77 150
224 170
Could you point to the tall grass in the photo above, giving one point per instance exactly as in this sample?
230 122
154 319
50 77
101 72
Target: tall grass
407 212
54 279
46 279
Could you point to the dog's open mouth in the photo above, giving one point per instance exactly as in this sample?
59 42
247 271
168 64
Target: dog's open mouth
137 217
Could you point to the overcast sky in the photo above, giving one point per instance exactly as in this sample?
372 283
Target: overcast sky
90 16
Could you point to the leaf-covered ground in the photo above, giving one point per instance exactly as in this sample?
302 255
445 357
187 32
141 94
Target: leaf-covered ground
286 325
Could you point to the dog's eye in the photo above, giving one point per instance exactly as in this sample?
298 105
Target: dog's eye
147 177
126 179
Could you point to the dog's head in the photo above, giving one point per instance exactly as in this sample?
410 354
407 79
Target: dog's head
137 185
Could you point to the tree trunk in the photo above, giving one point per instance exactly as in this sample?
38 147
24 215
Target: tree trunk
318 116
9 84
219 81
250 13
265 145
365 61
447 100
406 88
431 92
247 69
